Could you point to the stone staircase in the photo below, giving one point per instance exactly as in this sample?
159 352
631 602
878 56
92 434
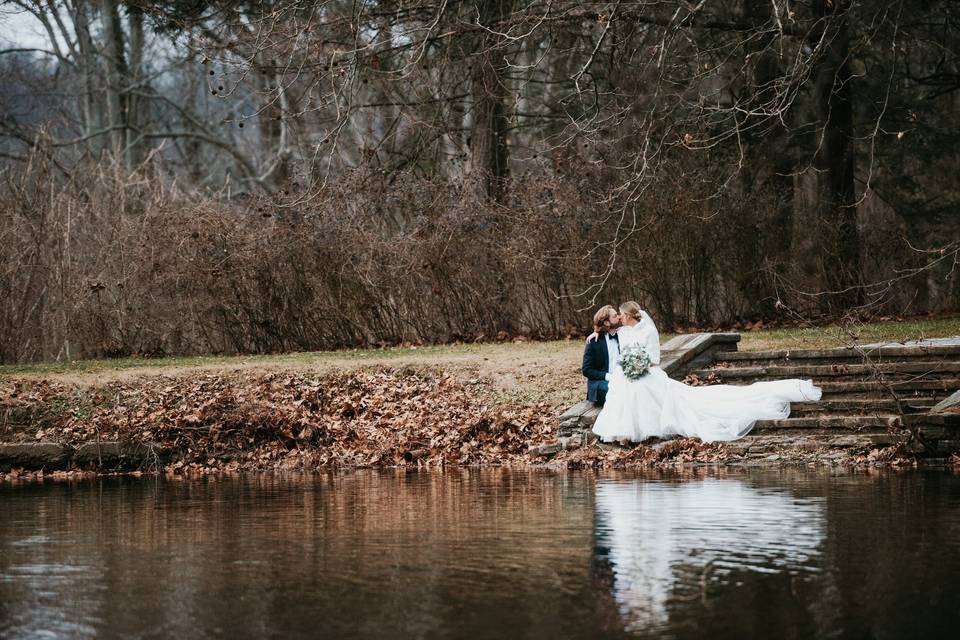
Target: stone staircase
873 395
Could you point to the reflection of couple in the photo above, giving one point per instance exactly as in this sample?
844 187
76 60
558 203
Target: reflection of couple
664 539
654 405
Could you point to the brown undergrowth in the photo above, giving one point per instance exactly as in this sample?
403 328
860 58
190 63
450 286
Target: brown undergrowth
216 422
288 420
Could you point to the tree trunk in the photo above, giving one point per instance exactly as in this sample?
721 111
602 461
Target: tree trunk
117 73
274 120
135 105
92 105
768 175
488 131
834 160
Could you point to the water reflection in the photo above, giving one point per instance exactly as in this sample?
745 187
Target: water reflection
668 543
487 553
361 555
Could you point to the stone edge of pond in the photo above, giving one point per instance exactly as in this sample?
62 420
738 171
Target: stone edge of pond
111 457
104 456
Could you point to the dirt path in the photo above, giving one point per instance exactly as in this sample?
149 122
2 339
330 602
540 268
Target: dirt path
524 372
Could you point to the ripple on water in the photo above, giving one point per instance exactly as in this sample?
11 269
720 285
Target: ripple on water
52 570
30 541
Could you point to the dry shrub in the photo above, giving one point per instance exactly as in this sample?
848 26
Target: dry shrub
108 265
104 263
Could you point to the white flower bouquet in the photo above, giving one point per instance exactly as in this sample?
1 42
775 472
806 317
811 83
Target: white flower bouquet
635 361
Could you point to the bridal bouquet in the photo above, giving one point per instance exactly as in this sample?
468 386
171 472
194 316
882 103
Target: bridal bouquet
635 361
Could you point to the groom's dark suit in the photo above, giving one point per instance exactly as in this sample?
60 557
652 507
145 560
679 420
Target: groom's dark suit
596 365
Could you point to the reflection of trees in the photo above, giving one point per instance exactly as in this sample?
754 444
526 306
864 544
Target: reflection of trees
893 554
675 550
365 554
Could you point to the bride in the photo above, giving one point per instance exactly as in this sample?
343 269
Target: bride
656 405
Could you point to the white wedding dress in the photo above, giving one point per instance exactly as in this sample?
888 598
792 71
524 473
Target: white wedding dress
656 405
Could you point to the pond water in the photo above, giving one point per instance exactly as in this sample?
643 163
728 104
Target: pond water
487 553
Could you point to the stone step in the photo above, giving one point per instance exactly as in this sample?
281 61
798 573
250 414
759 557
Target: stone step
935 389
886 421
939 436
895 353
859 406
810 442
950 421
840 399
878 423
927 369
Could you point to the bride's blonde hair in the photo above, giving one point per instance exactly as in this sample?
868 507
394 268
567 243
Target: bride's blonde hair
632 310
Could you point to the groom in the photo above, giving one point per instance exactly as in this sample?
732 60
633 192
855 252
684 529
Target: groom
602 356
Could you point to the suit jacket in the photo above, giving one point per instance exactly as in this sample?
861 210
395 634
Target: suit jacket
596 365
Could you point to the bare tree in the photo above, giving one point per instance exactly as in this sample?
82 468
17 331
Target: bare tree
720 161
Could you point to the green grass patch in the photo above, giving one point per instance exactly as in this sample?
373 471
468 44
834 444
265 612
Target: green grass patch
299 358
843 335
763 339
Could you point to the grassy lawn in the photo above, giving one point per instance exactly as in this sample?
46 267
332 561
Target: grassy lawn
835 335
297 358
488 355
343 357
